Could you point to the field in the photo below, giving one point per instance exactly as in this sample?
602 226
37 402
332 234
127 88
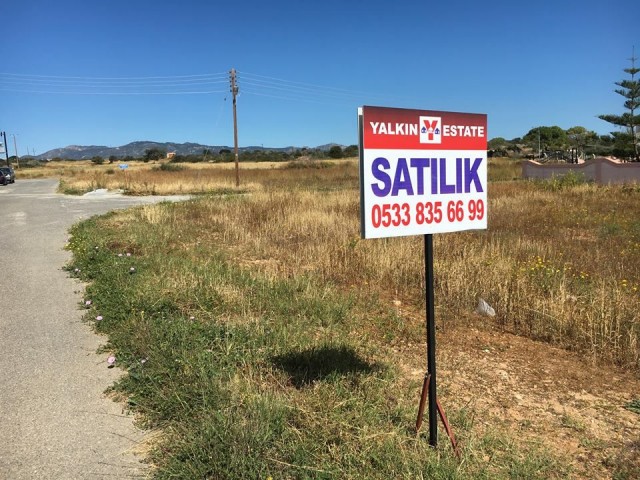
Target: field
263 338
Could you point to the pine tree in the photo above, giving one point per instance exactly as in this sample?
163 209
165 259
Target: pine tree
629 89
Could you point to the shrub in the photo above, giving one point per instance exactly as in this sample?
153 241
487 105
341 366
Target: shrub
171 167
568 180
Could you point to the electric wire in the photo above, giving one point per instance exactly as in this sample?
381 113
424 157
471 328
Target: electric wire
52 92
82 85
281 97
294 90
251 84
28 75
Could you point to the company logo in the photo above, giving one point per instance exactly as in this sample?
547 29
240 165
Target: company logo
430 130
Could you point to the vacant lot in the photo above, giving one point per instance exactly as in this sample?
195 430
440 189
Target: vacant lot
265 338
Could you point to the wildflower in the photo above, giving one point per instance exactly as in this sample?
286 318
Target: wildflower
111 360
128 254
144 360
192 318
132 270
87 303
119 254
98 318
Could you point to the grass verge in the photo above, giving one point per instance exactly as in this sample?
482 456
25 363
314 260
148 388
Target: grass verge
254 375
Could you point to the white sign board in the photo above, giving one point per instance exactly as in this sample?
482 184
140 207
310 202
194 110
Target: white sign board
421 172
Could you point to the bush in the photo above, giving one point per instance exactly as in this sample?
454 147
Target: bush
335 151
568 180
299 164
169 167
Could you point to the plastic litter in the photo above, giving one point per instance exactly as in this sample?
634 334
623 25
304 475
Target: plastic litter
485 309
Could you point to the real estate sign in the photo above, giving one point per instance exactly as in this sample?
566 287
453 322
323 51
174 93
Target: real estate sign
421 171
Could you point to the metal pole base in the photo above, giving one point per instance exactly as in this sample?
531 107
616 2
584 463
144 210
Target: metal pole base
443 417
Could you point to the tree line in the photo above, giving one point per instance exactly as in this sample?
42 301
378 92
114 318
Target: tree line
575 142
227 155
555 142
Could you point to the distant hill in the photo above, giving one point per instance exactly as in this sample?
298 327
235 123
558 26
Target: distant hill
137 149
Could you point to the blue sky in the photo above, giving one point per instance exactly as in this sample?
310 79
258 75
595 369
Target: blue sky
108 73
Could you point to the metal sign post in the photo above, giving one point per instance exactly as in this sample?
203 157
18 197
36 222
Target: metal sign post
431 339
423 172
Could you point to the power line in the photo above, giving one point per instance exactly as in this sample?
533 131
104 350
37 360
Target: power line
255 85
292 83
28 75
159 83
283 97
302 90
77 85
324 90
52 92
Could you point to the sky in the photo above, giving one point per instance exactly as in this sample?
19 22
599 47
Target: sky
109 73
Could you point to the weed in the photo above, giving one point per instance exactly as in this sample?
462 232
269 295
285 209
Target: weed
561 182
251 374
169 167
265 325
298 164
64 187
633 406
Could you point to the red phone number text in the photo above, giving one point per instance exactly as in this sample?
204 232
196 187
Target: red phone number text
426 213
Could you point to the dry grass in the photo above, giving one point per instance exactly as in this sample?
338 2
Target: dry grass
558 263
559 266
141 178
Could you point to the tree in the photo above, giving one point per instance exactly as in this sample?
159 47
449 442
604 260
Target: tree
335 151
351 151
546 138
627 142
154 154
98 160
497 147
582 139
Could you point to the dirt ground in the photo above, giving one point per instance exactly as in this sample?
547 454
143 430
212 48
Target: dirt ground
540 393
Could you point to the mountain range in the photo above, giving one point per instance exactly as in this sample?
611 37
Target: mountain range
137 150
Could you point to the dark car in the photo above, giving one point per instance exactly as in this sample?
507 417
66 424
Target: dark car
8 175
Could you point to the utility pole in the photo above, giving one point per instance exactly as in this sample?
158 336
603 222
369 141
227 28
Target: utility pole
15 148
234 91
539 150
6 150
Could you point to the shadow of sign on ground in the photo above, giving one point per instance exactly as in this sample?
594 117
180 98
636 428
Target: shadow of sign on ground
306 367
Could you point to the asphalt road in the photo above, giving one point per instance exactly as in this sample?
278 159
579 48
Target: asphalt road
55 421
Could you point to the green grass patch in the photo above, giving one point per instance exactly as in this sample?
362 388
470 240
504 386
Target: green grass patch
63 187
633 406
250 376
